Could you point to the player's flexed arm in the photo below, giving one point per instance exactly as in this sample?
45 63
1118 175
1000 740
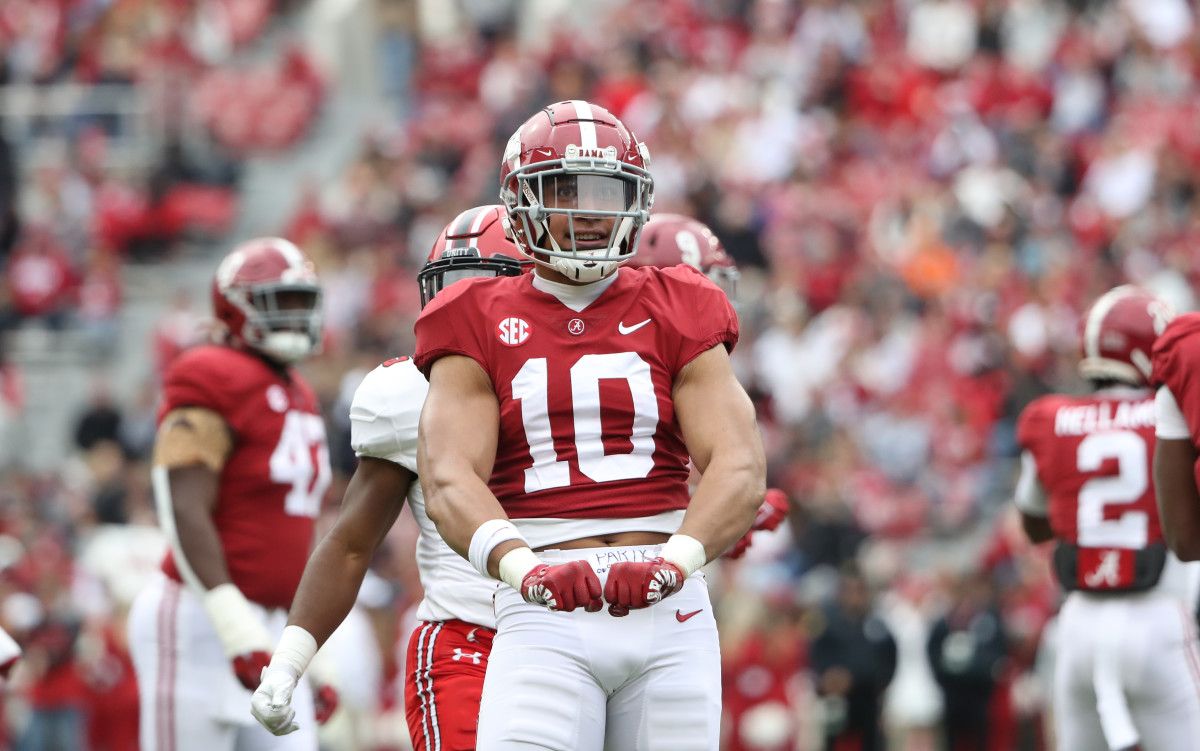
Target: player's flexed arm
456 446
455 452
721 433
719 428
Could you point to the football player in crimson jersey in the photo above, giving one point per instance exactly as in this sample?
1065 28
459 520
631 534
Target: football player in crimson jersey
1175 360
1128 668
448 651
586 387
240 468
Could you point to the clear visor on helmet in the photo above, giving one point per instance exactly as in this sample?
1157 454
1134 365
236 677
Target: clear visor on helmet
588 192
585 210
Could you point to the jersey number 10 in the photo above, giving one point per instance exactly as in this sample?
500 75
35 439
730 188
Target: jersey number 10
530 386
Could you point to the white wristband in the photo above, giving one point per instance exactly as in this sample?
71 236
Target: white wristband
490 534
686 552
515 564
295 650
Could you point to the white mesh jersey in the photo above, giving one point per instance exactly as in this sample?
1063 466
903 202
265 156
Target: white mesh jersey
383 425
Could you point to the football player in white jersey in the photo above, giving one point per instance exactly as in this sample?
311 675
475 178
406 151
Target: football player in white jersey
447 652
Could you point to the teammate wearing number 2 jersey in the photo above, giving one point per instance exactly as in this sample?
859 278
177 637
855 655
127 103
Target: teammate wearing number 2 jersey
553 448
240 468
1128 669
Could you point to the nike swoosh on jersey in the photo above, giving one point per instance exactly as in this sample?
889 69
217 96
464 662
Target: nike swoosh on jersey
630 329
681 616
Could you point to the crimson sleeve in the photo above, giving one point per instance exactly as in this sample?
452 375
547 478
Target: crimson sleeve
193 380
1174 361
706 317
1169 358
449 325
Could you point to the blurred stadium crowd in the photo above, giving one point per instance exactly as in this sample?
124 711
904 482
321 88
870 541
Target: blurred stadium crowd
921 195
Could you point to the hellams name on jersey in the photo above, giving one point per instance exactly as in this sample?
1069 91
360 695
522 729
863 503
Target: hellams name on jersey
1094 418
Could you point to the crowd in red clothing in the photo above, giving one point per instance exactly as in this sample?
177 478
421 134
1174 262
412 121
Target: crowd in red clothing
70 223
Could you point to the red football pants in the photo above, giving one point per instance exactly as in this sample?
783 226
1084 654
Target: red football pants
442 684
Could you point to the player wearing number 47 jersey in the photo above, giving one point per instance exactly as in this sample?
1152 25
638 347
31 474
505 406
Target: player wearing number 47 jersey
554 442
240 468
1128 669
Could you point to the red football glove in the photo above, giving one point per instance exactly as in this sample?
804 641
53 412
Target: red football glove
771 513
632 586
248 668
325 702
563 587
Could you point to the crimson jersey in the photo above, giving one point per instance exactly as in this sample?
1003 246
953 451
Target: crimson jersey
587 422
277 473
1175 359
1093 457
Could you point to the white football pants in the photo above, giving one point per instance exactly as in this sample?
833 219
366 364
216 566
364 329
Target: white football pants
649 681
1127 671
189 698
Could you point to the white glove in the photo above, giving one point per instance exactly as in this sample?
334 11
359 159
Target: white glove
271 704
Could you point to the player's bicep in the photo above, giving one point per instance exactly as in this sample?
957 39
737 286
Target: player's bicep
373 500
193 436
460 422
713 410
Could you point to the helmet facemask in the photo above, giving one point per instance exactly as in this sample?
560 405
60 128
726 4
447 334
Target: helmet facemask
592 196
283 320
462 263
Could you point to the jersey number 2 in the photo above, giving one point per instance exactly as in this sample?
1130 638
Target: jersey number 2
301 459
530 386
1132 528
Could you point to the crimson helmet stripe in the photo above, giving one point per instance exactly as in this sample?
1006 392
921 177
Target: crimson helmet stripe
587 128
1095 321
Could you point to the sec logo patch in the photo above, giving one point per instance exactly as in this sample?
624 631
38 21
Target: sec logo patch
513 331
